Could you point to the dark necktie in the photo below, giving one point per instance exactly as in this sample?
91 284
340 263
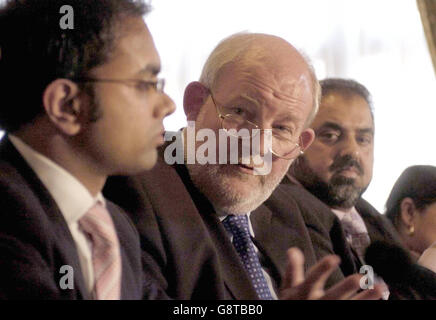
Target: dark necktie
238 227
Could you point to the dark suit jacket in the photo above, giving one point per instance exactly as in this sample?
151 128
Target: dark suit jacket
186 246
35 241
379 229
320 221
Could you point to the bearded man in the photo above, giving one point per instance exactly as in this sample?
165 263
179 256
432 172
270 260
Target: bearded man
205 224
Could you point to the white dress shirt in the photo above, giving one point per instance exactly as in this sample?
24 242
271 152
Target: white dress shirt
71 196
265 274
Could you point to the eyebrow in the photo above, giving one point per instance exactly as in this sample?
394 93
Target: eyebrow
335 126
150 69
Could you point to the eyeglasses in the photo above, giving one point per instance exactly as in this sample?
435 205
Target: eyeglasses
283 145
140 85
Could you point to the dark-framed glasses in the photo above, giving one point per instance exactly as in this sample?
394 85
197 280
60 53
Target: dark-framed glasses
140 85
283 143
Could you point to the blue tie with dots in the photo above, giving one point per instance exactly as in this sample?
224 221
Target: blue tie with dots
238 227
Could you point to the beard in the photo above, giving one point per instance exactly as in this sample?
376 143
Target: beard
339 192
230 190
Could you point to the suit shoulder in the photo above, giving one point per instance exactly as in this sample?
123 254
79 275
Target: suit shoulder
314 211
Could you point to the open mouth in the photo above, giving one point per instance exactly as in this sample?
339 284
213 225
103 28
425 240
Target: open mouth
245 168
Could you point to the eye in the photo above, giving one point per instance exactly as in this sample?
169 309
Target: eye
329 136
236 111
239 111
283 131
364 139
142 85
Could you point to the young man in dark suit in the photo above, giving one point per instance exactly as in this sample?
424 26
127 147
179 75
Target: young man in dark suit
205 227
80 101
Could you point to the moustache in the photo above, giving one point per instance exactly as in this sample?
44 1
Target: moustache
346 162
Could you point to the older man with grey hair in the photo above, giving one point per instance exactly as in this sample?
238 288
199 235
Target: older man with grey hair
209 227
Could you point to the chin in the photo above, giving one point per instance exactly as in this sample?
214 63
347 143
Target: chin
145 163
149 160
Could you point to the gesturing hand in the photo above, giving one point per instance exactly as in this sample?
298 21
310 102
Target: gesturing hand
297 286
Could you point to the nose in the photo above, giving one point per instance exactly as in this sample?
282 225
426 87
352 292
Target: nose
262 142
165 107
349 146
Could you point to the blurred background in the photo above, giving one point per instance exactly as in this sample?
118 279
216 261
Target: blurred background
378 43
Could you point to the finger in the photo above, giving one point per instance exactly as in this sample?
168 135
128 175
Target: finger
344 289
294 274
370 294
319 273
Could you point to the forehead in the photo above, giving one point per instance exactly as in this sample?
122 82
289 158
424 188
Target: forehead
349 111
133 52
270 86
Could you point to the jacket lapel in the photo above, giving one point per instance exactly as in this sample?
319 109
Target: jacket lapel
235 277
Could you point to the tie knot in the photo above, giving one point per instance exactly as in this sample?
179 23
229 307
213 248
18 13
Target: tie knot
237 225
353 223
98 224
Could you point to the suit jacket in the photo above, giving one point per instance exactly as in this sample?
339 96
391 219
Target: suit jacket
188 249
35 241
318 216
379 229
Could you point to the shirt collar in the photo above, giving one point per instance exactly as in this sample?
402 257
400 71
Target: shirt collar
71 196
340 213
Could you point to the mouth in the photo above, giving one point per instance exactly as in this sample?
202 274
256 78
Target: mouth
160 138
349 172
246 169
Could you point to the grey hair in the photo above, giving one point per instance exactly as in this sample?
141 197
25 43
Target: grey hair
348 87
236 48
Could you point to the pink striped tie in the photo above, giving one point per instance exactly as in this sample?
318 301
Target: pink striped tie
106 257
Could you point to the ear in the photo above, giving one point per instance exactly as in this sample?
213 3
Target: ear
408 212
63 105
306 138
196 95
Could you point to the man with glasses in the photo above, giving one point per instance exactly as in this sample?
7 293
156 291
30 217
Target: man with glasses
205 225
78 105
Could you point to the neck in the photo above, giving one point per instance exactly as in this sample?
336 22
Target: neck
60 150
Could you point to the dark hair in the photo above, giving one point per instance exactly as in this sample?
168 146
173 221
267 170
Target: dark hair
35 50
417 183
348 87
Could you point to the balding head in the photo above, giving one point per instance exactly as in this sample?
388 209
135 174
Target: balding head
267 53
252 80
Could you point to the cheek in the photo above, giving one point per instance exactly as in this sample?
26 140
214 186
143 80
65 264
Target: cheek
429 221
319 160
368 162
279 168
